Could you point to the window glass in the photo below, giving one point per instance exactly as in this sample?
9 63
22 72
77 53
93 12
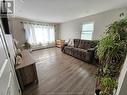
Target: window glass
87 31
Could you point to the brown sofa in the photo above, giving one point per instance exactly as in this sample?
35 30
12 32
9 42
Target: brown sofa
82 49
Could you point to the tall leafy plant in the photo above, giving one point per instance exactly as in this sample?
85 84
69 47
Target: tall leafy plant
112 50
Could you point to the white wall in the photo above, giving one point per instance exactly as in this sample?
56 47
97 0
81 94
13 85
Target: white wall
16 28
122 83
72 29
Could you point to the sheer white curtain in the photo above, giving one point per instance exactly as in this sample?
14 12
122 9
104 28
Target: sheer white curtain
40 34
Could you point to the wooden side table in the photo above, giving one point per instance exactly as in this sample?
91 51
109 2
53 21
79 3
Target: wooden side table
60 43
26 71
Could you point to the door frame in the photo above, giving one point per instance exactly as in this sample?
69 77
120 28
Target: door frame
2 34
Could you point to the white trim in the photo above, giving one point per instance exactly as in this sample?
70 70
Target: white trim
122 77
3 67
9 84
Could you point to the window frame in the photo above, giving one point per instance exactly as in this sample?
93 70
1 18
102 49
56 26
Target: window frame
87 31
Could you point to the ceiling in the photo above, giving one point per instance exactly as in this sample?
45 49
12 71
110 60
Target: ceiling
63 10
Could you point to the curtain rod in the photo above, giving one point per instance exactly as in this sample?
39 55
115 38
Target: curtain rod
37 23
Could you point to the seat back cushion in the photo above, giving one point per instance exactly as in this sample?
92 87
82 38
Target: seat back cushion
94 43
76 43
86 44
82 44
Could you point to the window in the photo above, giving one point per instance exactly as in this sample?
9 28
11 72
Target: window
39 34
87 30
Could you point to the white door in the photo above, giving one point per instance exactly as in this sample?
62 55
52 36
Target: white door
8 84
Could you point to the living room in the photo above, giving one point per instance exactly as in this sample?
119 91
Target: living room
75 47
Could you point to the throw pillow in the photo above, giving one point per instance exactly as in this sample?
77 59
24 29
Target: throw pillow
70 42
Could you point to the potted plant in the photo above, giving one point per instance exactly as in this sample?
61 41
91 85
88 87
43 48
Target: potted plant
26 45
107 85
111 52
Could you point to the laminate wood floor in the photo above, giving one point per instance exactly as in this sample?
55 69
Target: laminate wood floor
61 74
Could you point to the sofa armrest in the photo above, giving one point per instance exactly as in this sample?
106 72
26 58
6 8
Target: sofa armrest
62 47
90 54
91 49
65 44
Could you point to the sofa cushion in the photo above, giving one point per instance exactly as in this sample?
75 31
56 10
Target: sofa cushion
88 44
68 50
79 49
76 43
84 44
79 53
